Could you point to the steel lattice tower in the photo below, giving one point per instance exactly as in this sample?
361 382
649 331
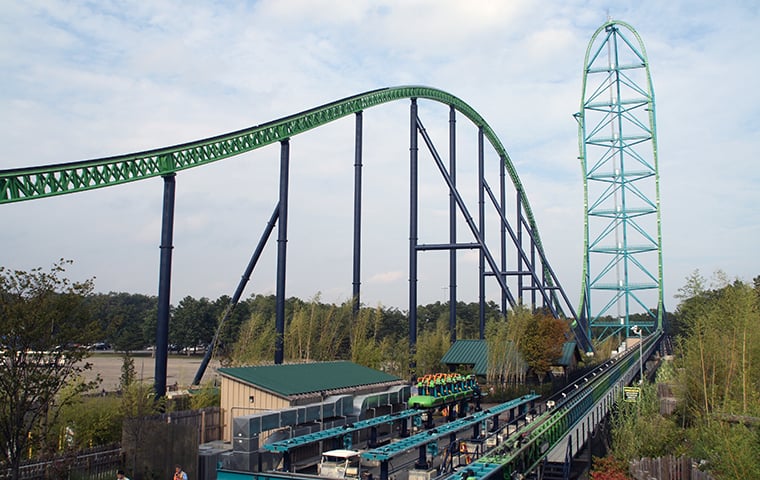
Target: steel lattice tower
622 267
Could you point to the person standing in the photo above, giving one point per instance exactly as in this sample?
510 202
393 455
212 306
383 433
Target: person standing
179 474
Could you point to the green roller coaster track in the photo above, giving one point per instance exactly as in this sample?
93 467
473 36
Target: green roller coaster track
50 180
617 140
23 184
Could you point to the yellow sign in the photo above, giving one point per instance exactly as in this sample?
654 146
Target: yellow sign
631 394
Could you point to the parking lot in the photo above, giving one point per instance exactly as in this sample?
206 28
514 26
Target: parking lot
180 370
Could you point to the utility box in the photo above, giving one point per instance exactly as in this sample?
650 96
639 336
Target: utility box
423 474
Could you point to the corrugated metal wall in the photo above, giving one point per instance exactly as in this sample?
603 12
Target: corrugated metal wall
239 399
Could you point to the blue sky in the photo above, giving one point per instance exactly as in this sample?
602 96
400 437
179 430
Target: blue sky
92 79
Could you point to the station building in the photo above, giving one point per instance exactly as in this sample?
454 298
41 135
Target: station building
269 403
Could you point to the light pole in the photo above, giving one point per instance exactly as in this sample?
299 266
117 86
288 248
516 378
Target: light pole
637 331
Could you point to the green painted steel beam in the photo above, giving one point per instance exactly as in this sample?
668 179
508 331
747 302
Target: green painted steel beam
49 180
394 449
291 443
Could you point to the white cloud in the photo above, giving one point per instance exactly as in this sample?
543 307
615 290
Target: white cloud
386 277
98 79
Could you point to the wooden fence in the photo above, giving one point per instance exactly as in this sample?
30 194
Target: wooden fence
99 463
208 421
667 468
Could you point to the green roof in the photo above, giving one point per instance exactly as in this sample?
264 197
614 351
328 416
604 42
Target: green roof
475 352
300 378
468 352
568 350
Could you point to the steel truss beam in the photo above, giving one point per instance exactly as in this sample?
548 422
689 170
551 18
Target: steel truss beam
618 151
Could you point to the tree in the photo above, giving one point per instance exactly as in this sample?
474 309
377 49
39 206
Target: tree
431 346
121 317
638 429
720 351
209 395
193 323
543 343
506 365
230 329
128 373
89 421
256 341
44 325
365 343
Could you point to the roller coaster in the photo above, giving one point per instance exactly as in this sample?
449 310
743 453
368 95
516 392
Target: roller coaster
526 278
441 389
529 278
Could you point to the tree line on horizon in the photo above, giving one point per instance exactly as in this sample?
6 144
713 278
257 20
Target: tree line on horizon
377 337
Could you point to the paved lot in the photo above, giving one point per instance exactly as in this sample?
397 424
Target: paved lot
180 369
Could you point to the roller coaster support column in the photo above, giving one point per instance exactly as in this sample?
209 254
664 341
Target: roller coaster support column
404 429
452 226
421 458
282 242
495 423
357 214
482 228
533 277
286 462
502 230
164 286
519 257
413 152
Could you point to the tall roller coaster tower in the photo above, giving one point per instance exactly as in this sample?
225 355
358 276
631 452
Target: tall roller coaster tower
622 267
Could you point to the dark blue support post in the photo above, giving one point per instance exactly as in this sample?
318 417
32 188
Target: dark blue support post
452 226
421 458
372 440
482 228
286 463
533 277
503 229
164 286
429 421
282 242
495 425
357 214
413 152
384 470
519 247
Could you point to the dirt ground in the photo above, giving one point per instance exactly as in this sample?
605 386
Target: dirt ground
180 369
